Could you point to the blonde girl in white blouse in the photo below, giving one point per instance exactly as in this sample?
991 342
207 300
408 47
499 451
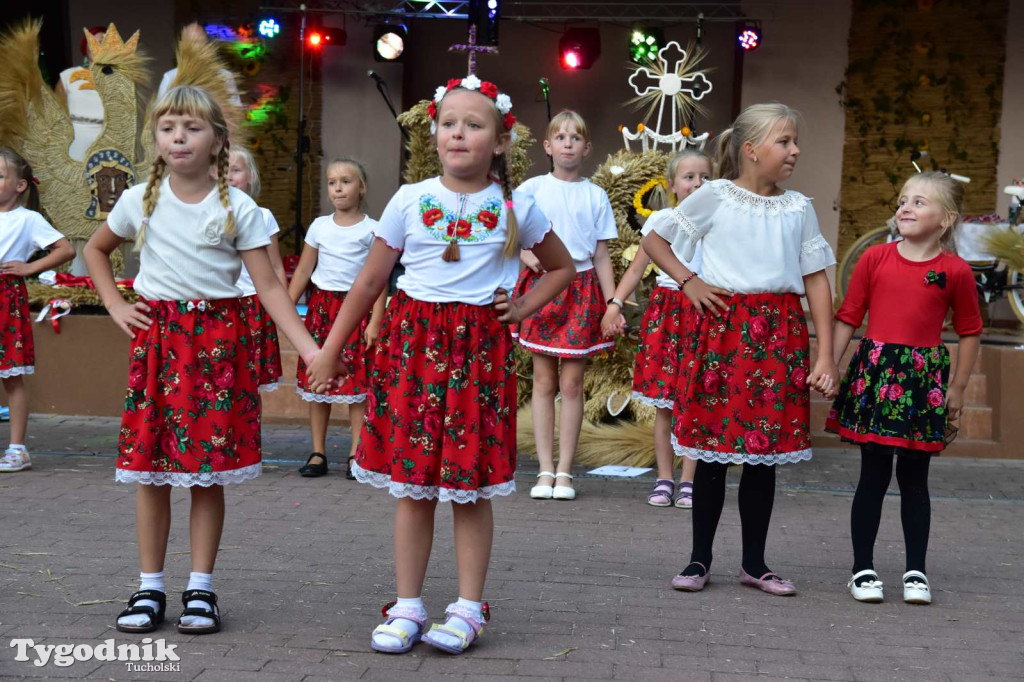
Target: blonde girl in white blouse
742 393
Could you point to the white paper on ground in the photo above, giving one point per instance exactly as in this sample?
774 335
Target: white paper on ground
615 470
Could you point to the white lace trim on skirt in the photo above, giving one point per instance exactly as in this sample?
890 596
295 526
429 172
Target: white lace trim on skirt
336 399
661 403
739 457
180 480
17 371
431 492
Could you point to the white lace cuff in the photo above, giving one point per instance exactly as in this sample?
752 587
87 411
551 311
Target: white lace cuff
815 255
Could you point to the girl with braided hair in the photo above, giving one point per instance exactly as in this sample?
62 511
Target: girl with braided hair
192 410
441 409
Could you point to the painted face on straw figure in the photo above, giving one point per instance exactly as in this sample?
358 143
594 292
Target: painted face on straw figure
469 134
920 215
775 156
187 144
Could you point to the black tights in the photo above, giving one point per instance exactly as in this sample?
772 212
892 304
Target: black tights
756 498
915 505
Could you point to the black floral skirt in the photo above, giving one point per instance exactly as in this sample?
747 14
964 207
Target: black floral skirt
893 395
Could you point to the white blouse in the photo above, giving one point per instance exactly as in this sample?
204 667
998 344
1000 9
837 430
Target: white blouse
751 244
692 264
580 214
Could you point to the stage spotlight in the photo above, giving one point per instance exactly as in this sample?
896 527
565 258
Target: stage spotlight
485 15
579 48
269 28
644 44
749 35
321 36
389 42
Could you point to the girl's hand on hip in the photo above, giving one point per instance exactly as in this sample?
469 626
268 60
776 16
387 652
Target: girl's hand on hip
130 317
508 310
705 297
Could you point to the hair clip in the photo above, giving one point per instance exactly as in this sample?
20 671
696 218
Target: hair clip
509 203
35 180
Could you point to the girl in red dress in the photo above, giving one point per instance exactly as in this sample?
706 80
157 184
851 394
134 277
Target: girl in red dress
565 333
742 392
441 410
244 174
191 412
896 399
23 231
657 357
335 251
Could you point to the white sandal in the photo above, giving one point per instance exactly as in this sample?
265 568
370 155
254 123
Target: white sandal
917 590
563 492
542 492
869 591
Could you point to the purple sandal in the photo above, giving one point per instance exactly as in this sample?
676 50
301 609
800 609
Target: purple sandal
454 611
403 641
684 498
662 492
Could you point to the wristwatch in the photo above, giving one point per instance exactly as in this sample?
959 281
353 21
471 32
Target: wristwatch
616 301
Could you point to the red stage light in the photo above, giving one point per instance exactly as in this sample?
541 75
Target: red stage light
571 59
315 39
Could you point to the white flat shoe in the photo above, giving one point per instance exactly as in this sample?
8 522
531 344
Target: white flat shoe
542 492
917 590
563 492
869 591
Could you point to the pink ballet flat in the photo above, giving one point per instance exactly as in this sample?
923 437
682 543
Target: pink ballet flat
769 582
692 583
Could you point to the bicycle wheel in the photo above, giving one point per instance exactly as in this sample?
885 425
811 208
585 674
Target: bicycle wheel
879 235
1015 293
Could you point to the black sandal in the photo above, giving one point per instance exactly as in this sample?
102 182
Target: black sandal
156 617
348 469
213 613
310 470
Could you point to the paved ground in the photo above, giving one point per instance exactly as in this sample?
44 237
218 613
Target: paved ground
578 590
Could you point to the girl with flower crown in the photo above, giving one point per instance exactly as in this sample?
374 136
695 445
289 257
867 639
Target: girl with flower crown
896 400
441 410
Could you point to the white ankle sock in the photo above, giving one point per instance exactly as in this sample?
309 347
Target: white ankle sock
409 627
17 446
147 581
198 581
474 608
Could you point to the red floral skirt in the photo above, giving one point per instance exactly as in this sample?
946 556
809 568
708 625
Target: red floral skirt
441 412
17 349
656 370
570 325
742 393
192 410
266 353
323 309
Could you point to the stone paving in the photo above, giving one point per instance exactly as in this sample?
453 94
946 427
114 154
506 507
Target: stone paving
578 590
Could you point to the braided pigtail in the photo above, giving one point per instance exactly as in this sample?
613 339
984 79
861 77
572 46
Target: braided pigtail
149 199
222 187
511 224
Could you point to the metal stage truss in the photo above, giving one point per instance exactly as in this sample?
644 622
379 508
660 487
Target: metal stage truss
540 10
